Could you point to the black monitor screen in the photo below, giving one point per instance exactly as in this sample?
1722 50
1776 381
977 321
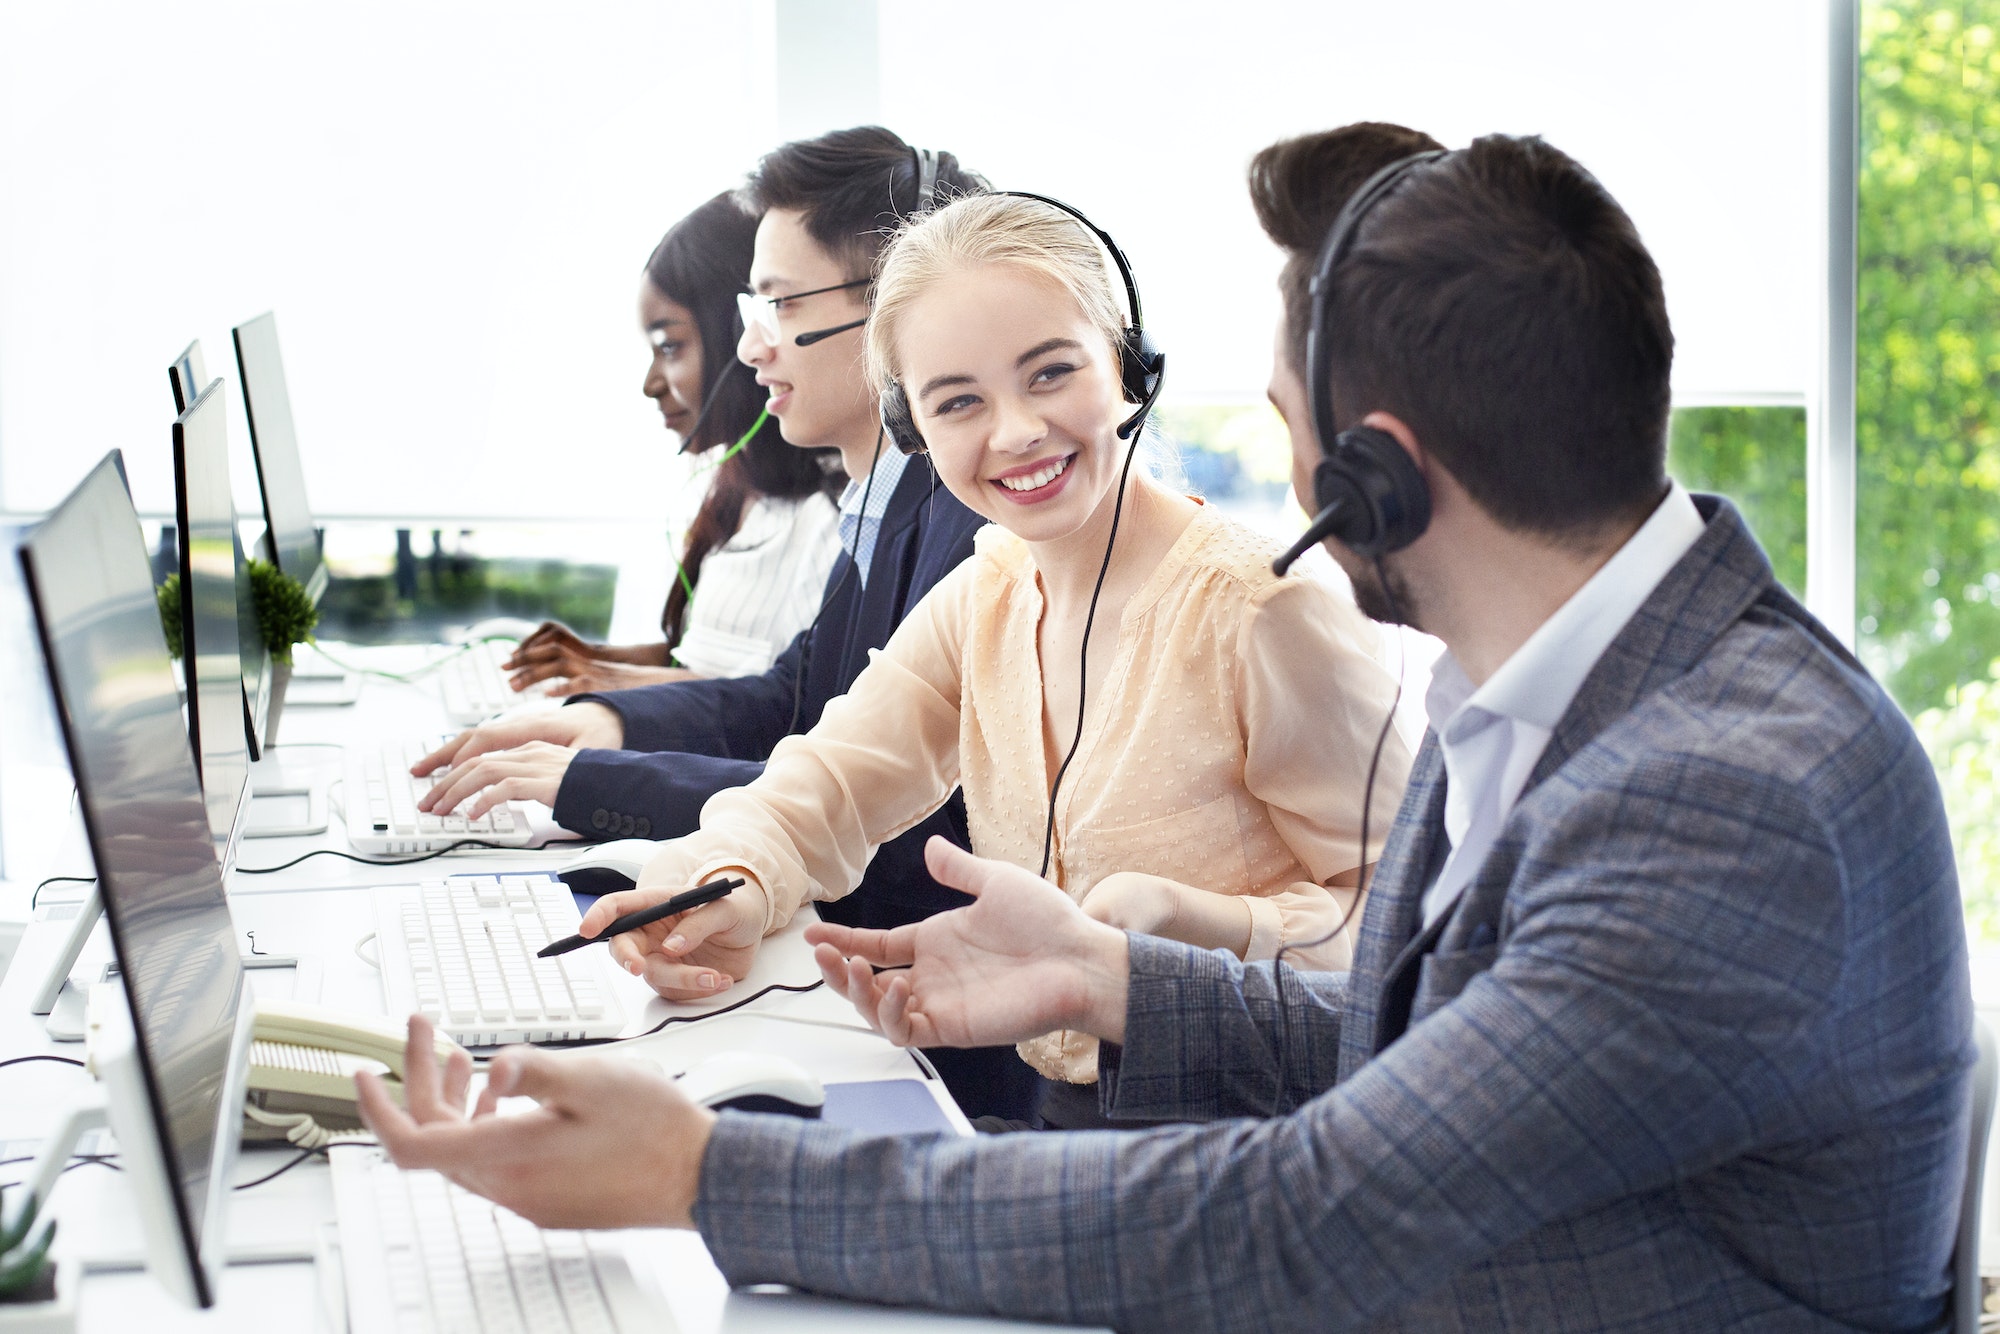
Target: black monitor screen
187 375
92 591
256 658
210 629
281 478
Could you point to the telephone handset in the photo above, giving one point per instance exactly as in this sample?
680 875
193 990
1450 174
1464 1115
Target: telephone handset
303 1059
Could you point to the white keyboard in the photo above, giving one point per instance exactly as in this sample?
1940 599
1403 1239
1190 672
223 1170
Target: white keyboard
475 687
462 953
420 1254
380 807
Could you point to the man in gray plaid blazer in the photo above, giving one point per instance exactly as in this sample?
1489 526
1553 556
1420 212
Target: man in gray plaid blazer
1659 1019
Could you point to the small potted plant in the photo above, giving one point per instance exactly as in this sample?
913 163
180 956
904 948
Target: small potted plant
36 1296
285 617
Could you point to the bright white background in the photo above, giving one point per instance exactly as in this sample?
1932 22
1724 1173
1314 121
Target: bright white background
448 204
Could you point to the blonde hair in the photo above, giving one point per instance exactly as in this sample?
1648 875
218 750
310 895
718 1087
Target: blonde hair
996 229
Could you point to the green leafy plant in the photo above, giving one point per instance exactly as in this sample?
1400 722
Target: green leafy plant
285 615
24 1248
168 597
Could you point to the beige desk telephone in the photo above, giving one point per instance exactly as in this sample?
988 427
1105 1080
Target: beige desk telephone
303 1059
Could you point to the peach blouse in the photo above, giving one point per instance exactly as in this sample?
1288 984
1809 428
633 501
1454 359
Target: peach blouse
1225 749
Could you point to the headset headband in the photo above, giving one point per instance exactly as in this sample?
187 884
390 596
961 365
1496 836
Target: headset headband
1117 256
1340 240
1142 367
927 171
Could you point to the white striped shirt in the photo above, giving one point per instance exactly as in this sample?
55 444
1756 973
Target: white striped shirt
760 588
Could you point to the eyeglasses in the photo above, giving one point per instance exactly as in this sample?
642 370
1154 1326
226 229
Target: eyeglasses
761 313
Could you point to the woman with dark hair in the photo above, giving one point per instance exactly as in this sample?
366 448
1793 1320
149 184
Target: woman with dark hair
757 555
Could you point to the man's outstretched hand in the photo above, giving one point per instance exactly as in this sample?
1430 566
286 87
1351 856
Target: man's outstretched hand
1021 961
612 1144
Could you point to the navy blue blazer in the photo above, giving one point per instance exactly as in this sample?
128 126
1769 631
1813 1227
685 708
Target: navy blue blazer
688 740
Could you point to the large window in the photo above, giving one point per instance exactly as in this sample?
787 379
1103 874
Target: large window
1928 361
1756 457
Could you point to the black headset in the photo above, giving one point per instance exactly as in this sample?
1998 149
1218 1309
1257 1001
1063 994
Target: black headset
1368 490
1142 367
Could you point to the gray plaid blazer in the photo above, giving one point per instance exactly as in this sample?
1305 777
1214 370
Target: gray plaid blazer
1690 1053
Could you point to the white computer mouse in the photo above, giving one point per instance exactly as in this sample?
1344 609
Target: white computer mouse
627 856
748 1081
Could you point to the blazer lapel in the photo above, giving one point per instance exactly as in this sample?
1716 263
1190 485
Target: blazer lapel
875 609
1395 900
1705 593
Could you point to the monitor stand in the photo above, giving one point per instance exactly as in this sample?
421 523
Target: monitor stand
287 809
317 682
64 1000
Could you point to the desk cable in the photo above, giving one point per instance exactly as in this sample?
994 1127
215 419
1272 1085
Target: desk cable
58 880
691 1019
415 674
388 861
42 1056
77 1160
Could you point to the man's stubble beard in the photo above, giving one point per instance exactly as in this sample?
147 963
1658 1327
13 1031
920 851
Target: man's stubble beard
1389 604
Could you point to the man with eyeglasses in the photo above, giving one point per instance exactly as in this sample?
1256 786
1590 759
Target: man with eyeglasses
641 763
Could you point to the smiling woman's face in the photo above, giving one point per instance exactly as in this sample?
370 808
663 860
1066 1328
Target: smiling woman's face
1016 394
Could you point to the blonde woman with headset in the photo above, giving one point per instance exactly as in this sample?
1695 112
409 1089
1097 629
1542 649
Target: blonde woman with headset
1204 725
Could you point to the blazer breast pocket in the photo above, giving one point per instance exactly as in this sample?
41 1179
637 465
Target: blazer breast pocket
1441 977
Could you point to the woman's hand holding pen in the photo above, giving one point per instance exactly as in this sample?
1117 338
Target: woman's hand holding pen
693 955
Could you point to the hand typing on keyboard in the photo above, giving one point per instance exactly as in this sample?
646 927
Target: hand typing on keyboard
568 729
531 772
611 1145
587 724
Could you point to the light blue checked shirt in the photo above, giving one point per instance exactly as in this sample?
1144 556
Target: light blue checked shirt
859 528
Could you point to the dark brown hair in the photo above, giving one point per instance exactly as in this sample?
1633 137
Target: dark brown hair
1298 187
852 188
702 263
1501 303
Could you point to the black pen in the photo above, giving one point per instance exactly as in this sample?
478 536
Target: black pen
632 921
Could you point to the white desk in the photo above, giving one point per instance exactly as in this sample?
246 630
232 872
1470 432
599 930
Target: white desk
319 910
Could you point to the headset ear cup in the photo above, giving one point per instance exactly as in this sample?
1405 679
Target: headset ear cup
1138 365
1387 505
897 420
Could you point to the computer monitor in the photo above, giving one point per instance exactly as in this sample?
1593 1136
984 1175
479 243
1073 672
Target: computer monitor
212 580
157 876
281 479
188 375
